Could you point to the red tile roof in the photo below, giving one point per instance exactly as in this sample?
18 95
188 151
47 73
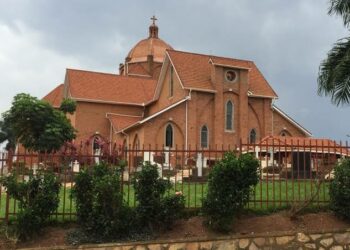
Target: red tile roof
55 96
104 87
120 122
301 143
195 71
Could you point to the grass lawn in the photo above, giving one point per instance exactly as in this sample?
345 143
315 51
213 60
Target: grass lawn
267 196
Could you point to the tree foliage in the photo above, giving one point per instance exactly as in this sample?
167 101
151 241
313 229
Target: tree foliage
6 135
334 73
157 208
68 106
341 8
37 198
229 186
339 190
101 210
37 125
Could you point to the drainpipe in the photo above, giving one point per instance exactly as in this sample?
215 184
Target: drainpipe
186 128
272 132
110 134
110 137
272 120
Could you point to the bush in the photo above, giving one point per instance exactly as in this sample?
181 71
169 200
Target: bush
154 209
37 199
229 186
101 210
171 209
68 106
339 190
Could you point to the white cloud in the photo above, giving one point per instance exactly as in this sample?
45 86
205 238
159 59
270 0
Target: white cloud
26 65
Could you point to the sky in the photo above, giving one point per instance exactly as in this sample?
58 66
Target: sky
287 40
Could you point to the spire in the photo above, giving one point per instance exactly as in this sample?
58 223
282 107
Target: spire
153 28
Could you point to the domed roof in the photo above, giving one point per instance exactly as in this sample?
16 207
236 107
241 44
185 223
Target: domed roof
152 45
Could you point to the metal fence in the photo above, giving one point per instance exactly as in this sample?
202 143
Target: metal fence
290 171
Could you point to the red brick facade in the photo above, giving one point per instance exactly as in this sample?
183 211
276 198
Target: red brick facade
189 91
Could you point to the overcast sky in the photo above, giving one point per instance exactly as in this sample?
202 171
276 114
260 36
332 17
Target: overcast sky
39 39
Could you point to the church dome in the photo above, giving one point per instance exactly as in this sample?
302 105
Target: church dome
151 46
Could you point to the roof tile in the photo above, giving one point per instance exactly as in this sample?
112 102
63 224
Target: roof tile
120 122
304 143
195 72
106 87
55 96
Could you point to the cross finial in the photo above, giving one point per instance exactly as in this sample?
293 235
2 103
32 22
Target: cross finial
154 19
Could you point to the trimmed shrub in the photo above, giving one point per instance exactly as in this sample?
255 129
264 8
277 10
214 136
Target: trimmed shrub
171 209
82 192
101 209
339 189
37 199
155 209
229 186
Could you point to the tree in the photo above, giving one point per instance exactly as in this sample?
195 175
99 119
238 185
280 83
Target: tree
37 125
334 72
6 135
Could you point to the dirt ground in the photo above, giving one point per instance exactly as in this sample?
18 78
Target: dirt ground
193 227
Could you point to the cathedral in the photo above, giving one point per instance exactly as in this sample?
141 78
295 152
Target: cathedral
166 97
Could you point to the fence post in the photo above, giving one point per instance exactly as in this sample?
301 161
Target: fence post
9 169
240 146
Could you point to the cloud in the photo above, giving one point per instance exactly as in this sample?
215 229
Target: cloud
26 65
286 39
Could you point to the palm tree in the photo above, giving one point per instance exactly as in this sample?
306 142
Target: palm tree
334 72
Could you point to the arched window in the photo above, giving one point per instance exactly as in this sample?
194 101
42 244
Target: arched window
125 145
97 145
97 148
204 137
136 145
252 136
169 136
229 115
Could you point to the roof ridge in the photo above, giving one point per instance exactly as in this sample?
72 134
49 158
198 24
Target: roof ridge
257 68
210 56
288 117
52 91
54 96
111 74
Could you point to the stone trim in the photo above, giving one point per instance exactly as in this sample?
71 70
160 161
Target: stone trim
301 240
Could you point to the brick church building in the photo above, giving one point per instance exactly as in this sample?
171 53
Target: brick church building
162 96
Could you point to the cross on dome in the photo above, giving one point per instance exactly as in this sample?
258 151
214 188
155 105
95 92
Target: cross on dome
153 28
154 19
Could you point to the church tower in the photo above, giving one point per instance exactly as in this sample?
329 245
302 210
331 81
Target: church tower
146 57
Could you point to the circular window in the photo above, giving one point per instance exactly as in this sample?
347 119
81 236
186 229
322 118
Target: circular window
231 75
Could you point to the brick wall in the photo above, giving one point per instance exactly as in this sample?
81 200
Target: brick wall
91 118
203 109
